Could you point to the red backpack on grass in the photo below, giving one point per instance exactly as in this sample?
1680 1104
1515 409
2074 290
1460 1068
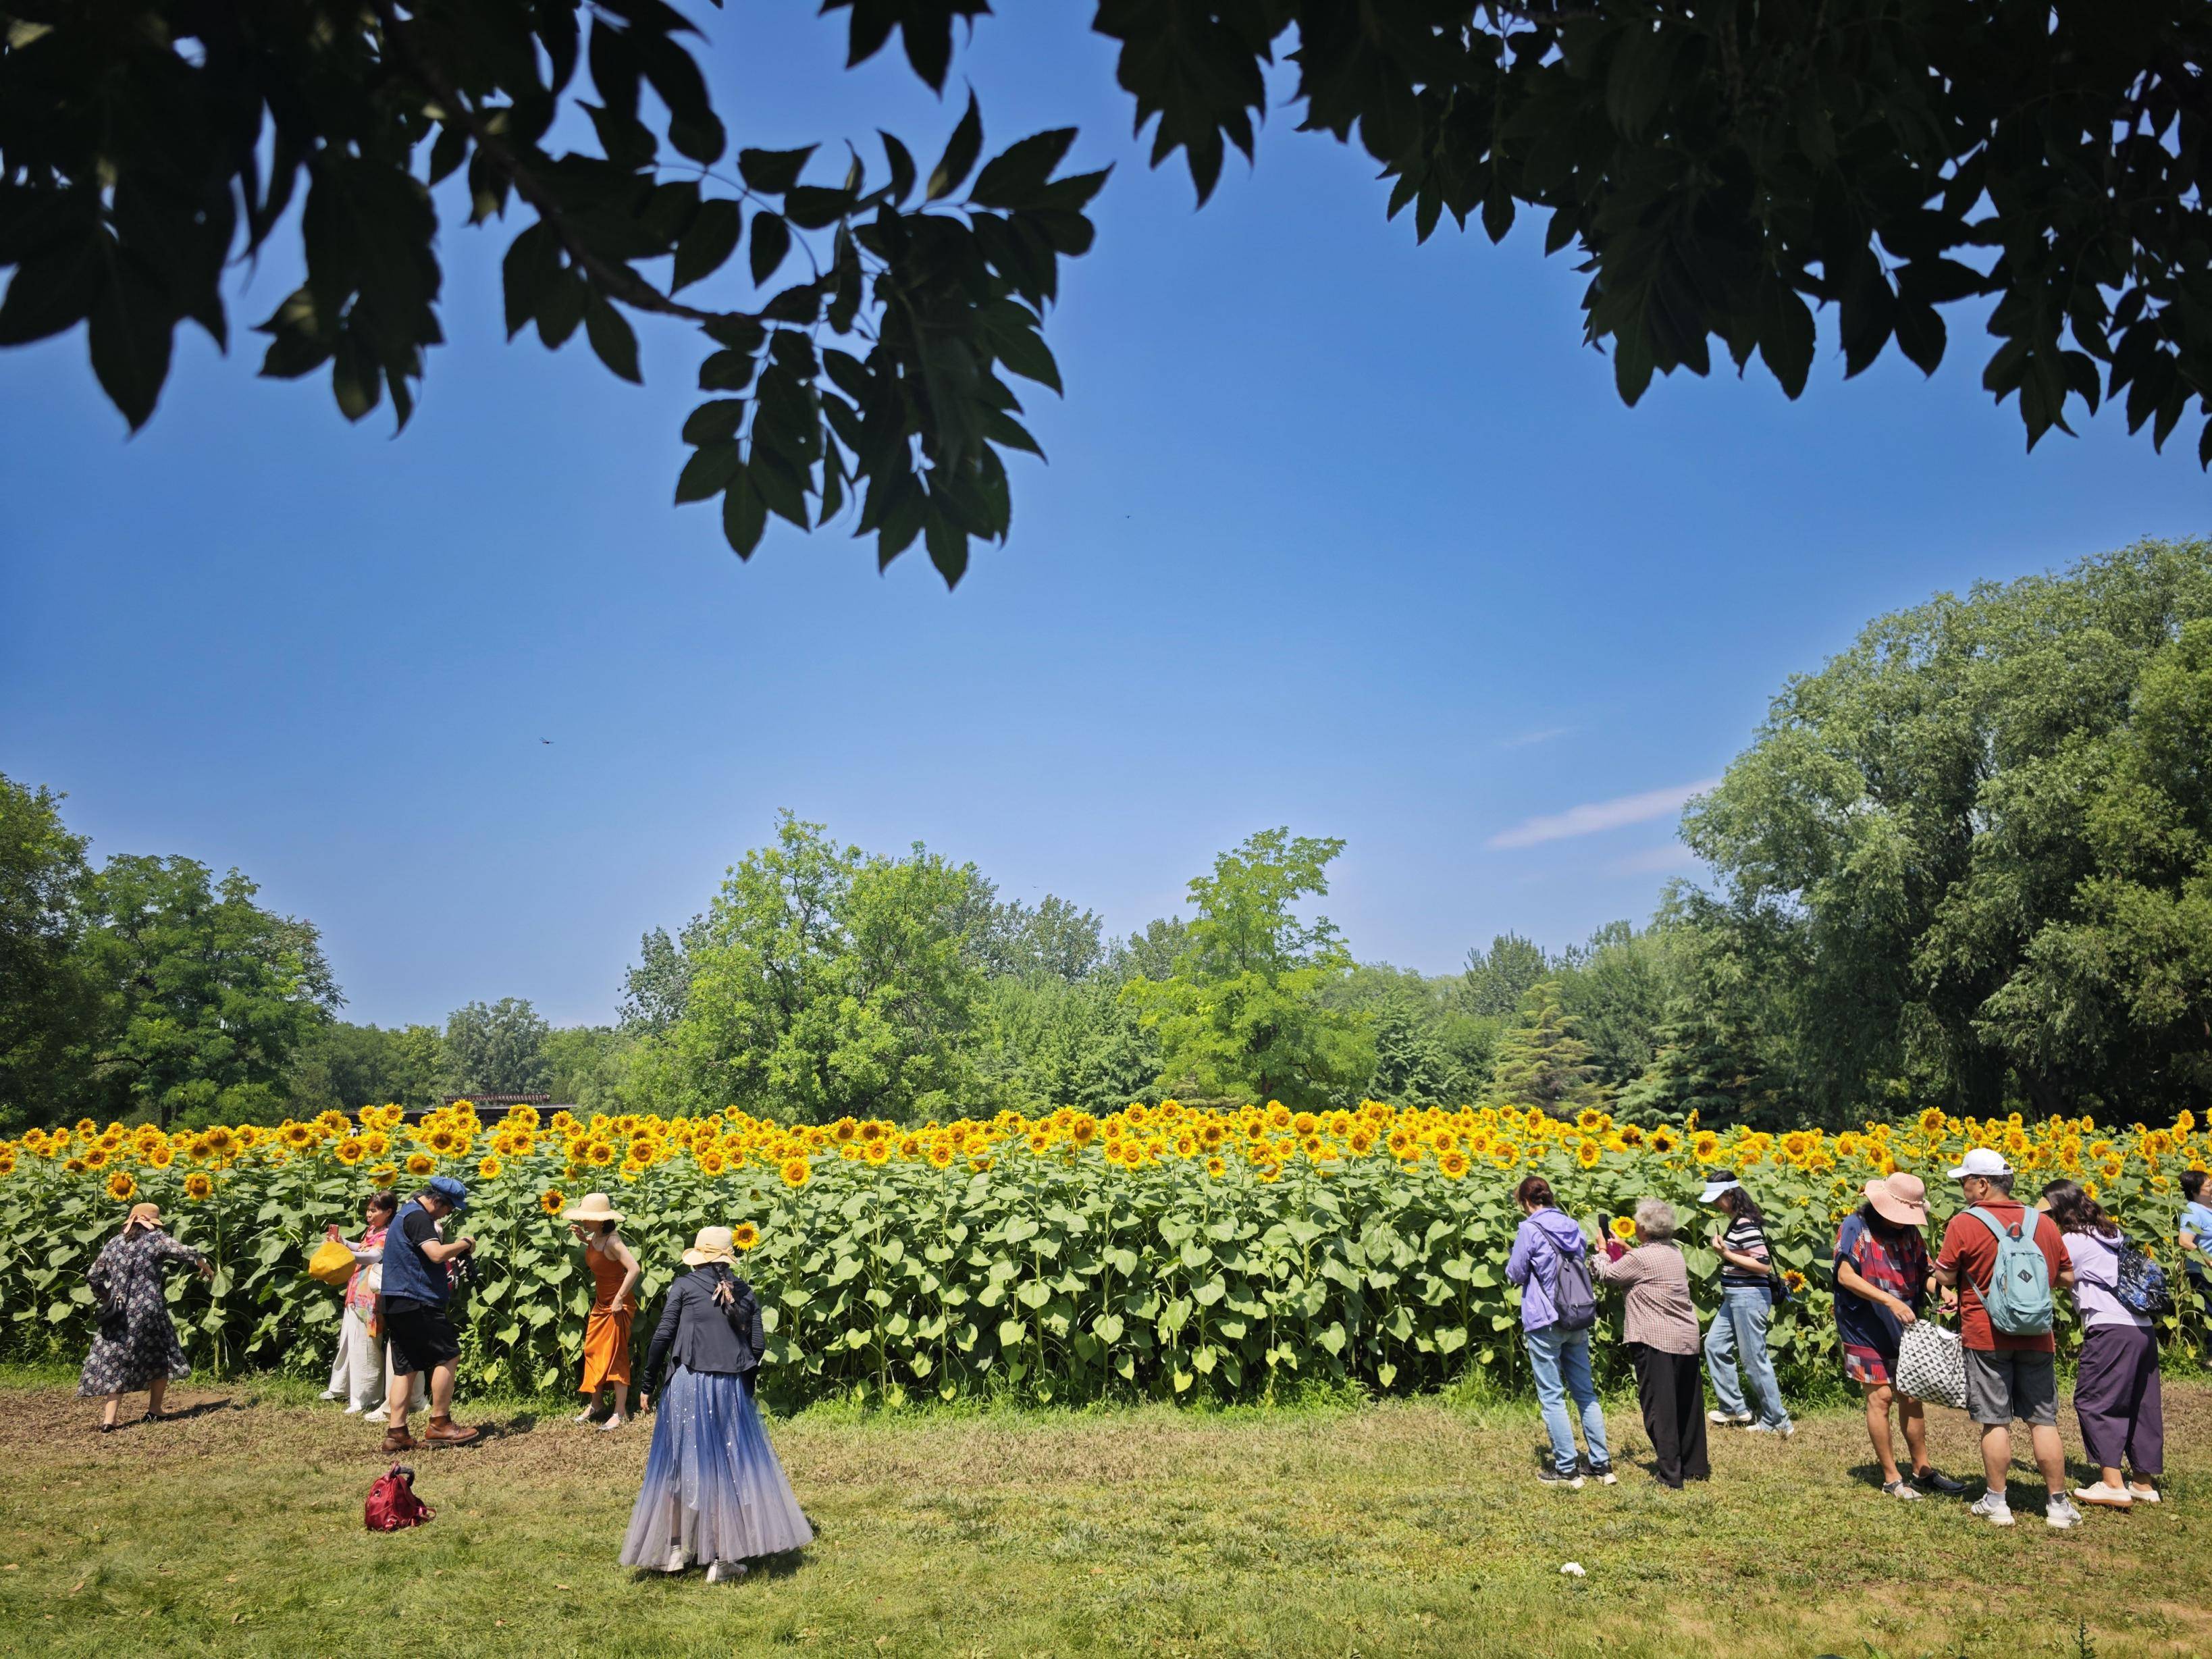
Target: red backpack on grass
392 1503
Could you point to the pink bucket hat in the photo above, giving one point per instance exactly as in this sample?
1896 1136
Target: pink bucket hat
1901 1198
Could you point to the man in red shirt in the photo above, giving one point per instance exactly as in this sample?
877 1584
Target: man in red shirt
2007 1375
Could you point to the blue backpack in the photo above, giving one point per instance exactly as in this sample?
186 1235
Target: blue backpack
1573 1294
2018 1298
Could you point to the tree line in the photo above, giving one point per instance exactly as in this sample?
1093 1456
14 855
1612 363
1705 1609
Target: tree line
1968 864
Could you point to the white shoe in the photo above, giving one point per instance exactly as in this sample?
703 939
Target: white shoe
1728 1420
1992 1509
353 1411
2142 1494
1565 1482
2111 1498
612 1424
588 1416
725 1572
380 1415
676 1561
2059 1514
1781 1431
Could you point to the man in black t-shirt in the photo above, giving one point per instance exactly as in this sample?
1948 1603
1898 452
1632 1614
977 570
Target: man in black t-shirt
421 1335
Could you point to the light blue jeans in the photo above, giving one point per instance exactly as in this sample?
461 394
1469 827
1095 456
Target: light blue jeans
1738 1337
1560 1360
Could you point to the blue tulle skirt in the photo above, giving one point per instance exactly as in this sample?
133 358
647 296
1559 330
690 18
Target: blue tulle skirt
714 1490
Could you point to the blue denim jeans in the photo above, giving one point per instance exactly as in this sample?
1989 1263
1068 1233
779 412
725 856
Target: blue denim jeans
1738 1337
1560 1360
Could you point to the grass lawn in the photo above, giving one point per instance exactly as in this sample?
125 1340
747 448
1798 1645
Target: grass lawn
1393 1529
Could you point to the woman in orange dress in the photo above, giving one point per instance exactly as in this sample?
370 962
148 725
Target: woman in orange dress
614 1302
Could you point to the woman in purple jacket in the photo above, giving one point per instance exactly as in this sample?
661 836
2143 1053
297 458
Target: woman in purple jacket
1548 1241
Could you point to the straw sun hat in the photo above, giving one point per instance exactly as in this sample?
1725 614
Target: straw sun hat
712 1244
1900 1199
594 1208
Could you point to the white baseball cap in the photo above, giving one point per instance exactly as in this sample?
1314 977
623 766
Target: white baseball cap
1982 1161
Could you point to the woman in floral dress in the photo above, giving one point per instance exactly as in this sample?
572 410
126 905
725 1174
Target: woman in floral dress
136 1346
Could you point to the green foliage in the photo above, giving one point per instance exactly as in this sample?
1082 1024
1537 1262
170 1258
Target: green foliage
344 1068
1497 980
1241 1016
497 1049
1965 863
828 983
1542 1063
205 996
48 1004
588 1066
1722 172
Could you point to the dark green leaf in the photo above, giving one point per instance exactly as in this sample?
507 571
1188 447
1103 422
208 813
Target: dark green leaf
561 309
960 153
131 329
529 273
772 172
712 239
708 472
611 337
771 242
52 291
712 421
811 207
901 166
1012 177
948 548
744 516
726 371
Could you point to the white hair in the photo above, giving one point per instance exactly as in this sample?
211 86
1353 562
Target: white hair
1655 1219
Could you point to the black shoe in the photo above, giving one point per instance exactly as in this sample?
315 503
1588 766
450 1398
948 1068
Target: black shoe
1937 1481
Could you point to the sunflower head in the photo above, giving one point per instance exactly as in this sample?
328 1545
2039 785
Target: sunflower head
198 1184
744 1235
351 1151
420 1164
1624 1228
797 1172
121 1187
551 1201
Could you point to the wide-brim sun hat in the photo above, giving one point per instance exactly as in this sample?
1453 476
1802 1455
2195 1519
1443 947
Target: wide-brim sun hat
1900 1199
1982 1161
143 1215
592 1206
711 1244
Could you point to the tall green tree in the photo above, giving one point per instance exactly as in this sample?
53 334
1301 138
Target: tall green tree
1542 1061
49 1004
828 981
1497 980
1620 986
497 1048
344 1068
1965 860
206 997
1242 1014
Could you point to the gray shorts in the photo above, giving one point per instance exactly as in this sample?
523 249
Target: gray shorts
2001 1386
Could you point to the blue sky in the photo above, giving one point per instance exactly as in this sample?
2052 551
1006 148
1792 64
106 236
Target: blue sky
1337 532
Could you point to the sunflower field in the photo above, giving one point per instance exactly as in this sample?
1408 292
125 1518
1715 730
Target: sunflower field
1169 1251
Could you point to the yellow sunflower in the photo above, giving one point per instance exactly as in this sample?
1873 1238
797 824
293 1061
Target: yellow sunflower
121 1187
488 1168
198 1184
551 1201
1624 1228
797 1172
744 1235
420 1164
351 1151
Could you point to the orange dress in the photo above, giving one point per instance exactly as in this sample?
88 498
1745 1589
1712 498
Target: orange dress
606 1332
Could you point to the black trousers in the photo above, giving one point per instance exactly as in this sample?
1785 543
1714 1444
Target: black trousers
1671 1389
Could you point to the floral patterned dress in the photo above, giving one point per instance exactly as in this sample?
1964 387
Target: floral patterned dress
137 1341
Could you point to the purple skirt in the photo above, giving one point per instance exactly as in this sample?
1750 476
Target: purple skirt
714 1490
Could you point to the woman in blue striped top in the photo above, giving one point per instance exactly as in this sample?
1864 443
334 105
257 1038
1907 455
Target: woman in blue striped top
1738 1333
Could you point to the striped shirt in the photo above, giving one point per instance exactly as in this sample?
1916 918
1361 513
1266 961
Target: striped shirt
1745 1238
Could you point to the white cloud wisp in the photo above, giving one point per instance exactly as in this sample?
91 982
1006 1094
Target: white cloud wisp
1592 817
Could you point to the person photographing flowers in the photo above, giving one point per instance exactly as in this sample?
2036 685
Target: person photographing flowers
417 1287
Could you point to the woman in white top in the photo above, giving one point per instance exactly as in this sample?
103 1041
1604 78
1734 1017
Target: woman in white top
357 1371
2116 1383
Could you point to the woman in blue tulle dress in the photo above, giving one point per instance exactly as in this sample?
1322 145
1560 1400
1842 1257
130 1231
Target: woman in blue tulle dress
713 1491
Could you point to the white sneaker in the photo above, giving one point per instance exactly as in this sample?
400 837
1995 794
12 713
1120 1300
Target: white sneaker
2113 1498
2142 1494
1782 1431
1553 1478
380 1415
1728 1420
353 1411
675 1563
2059 1514
725 1572
1992 1509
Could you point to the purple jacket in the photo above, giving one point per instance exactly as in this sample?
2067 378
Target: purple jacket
1533 1264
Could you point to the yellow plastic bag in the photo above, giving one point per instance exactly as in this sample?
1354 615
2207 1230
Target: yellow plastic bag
331 1263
